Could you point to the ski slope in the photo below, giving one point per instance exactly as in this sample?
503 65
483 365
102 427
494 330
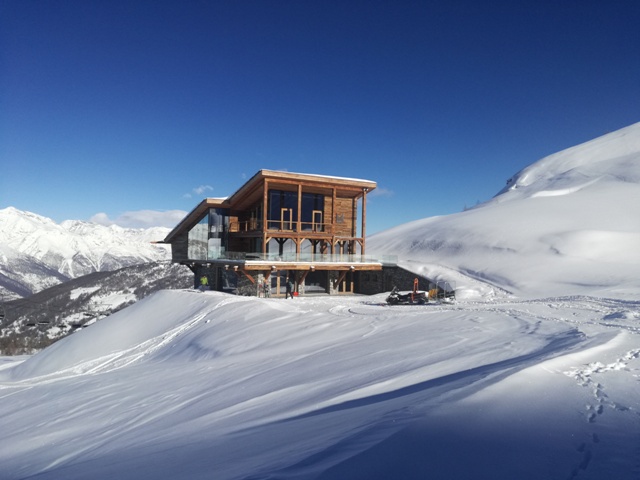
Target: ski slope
206 385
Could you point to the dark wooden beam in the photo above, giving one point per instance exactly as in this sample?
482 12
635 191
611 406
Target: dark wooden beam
240 272
304 275
340 279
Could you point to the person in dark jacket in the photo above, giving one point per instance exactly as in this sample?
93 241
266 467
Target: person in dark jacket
288 288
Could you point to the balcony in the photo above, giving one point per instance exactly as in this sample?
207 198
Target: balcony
311 258
254 225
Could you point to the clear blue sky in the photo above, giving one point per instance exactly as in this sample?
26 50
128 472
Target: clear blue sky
119 107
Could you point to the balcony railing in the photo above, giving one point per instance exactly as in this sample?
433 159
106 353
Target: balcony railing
254 225
307 258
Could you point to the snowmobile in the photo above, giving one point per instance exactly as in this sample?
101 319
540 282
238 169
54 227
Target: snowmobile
412 298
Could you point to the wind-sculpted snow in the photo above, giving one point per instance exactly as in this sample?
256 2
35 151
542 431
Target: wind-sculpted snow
206 385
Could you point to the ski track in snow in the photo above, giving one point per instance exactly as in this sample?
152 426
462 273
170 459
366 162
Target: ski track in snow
516 309
124 358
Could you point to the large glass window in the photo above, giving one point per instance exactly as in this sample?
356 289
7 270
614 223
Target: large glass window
313 212
208 239
283 211
218 232
197 248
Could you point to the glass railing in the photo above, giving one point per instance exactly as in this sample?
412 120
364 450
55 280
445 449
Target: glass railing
307 258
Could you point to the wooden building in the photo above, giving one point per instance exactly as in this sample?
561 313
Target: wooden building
310 228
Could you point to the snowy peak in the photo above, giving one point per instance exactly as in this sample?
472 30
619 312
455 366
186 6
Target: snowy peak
39 237
72 248
614 157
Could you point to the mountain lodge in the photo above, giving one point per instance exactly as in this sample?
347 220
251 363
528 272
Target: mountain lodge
310 228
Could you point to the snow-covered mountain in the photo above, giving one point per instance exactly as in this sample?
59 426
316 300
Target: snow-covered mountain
36 252
567 224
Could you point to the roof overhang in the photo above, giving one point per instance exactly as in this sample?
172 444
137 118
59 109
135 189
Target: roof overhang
345 187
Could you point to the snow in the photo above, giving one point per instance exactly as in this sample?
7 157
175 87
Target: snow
533 373
78 292
183 384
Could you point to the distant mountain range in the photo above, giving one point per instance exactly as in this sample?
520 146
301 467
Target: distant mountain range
37 253
57 278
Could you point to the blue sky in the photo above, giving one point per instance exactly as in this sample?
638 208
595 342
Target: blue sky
128 111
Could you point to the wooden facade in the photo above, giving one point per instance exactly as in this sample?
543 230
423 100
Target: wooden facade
279 221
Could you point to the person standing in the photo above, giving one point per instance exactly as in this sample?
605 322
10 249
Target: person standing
288 288
204 283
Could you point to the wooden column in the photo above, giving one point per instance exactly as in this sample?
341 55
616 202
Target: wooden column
364 217
299 219
333 219
354 214
265 223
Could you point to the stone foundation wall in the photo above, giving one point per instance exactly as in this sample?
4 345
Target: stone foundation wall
371 283
246 287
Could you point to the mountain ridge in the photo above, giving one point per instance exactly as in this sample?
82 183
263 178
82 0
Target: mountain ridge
37 253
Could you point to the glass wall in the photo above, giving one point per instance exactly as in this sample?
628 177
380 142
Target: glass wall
312 212
209 239
283 211
197 249
218 232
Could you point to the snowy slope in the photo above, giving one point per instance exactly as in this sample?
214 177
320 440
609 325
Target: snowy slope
70 249
569 223
198 386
